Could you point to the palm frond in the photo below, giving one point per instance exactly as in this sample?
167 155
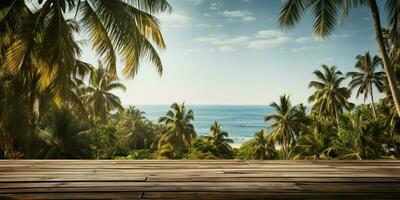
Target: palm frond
99 37
326 13
291 12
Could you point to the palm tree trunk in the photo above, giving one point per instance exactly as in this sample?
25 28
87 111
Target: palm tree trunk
386 62
372 101
337 118
284 146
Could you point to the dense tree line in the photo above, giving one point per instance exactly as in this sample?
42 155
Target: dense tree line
53 105
332 128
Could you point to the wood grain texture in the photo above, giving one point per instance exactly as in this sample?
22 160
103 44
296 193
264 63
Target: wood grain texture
181 179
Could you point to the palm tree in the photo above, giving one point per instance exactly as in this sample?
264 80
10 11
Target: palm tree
64 135
329 97
219 138
45 32
263 147
133 126
39 52
392 43
98 96
287 121
361 140
326 13
310 146
392 119
367 77
179 132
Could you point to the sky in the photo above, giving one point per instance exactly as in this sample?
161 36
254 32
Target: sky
233 52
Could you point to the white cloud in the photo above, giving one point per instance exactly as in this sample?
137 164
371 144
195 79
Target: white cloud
200 50
305 48
312 39
215 6
305 40
173 18
310 42
269 33
222 40
268 43
237 14
234 14
264 39
195 2
207 14
227 48
224 43
210 26
269 38
194 50
248 19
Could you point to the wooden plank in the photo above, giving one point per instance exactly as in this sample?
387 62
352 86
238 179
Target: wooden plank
186 179
276 179
147 186
68 178
97 195
283 196
210 175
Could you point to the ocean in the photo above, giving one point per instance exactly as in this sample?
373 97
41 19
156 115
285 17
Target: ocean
241 122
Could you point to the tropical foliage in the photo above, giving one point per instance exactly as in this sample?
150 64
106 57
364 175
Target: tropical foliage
219 139
263 146
367 77
53 105
329 98
179 132
326 14
40 66
286 123
98 96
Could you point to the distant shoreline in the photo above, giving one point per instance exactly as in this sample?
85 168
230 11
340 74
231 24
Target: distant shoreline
240 121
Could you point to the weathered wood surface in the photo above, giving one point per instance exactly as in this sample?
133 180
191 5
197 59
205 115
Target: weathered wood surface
173 179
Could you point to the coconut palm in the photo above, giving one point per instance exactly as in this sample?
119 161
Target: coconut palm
64 135
39 50
179 131
43 30
367 77
326 13
98 96
137 130
393 50
310 145
362 139
392 120
263 147
219 138
329 97
287 122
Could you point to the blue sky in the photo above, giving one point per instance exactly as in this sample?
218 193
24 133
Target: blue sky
233 52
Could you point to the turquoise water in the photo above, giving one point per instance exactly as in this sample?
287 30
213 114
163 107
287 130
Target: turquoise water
241 122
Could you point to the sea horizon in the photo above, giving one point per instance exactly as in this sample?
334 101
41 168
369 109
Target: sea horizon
240 121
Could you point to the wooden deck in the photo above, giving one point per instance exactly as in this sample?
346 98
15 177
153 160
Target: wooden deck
77 179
